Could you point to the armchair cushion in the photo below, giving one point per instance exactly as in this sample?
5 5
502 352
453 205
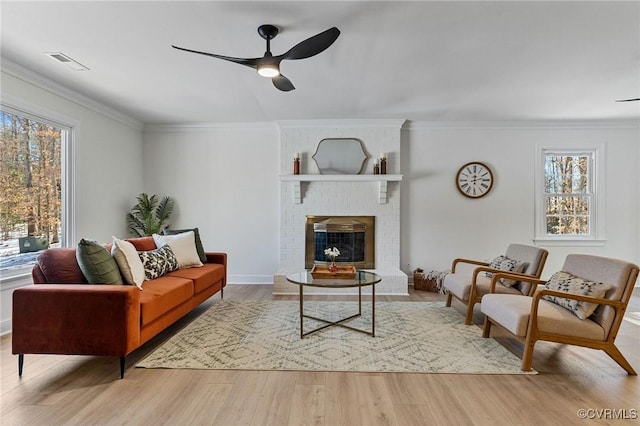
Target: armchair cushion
513 313
504 263
565 282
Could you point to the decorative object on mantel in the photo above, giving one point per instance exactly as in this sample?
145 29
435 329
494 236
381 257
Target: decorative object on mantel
376 168
474 179
319 272
296 163
340 156
383 164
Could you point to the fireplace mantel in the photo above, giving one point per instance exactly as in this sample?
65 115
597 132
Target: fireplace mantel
381 179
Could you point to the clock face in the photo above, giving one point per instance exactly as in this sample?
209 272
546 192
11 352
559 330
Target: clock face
474 180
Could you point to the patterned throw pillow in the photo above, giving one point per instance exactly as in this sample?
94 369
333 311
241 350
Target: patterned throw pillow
503 263
563 281
158 262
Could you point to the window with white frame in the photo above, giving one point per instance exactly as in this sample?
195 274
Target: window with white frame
35 178
569 197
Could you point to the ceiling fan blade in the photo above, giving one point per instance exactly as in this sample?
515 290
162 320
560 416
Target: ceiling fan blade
313 45
250 62
628 100
283 83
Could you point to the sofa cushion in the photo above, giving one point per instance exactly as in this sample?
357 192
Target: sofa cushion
565 282
59 265
202 278
163 294
196 234
96 263
158 262
506 264
143 243
128 261
183 246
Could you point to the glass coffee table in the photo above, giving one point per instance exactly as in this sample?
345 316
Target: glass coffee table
361 279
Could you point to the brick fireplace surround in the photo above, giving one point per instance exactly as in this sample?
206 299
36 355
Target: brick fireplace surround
340 195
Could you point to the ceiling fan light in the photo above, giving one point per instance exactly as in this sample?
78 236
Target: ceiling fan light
269 70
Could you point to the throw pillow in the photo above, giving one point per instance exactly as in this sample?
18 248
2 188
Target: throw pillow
128 261
96 264
183 246
563 281
158 262
196 234
503 263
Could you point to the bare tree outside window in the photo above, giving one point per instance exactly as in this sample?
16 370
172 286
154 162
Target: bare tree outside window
568 194
31 182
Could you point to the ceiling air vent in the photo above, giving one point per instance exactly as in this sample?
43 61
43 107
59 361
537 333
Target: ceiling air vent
64 59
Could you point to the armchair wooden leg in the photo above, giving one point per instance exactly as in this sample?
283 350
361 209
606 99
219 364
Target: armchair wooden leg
20 364
469 317
448 302
617 356
527 354
486 328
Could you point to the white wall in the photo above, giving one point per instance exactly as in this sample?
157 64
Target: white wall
224 180
108 173
439 224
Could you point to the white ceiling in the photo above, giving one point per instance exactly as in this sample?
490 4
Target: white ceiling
422 61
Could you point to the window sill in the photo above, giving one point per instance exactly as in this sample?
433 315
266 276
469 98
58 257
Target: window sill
556 242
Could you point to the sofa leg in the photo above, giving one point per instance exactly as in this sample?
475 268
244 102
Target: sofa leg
222 293
122 367
20 364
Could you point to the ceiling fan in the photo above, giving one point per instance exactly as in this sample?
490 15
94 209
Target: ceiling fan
628 100
269 65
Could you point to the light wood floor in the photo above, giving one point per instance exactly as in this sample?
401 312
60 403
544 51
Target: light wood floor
82 390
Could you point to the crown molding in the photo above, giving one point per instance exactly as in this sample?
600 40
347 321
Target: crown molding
22 73
202 127
525 124
342 123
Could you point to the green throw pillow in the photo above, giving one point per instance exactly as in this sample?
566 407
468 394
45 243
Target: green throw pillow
199 248
96 263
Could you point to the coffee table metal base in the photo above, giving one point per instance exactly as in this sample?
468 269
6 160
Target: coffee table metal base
340 323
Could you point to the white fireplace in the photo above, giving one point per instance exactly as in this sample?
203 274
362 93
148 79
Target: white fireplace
365 194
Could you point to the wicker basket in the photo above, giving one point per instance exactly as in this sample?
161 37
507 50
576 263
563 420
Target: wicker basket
424 284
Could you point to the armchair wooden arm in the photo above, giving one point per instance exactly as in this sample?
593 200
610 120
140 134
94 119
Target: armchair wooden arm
469 261
515 276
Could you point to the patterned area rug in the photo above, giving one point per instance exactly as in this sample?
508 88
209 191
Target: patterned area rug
422 337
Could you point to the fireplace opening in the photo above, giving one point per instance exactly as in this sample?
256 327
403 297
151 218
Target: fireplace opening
354 236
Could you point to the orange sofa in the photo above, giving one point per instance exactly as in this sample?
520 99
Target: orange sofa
63 314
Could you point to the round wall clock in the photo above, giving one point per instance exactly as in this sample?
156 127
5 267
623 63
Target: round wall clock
474 180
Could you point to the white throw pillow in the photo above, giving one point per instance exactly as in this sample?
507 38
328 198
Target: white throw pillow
506 264
183 246
128 261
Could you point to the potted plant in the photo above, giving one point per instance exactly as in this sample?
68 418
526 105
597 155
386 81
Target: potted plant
150 215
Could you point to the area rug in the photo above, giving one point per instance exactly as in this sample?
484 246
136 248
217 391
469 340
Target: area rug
424 337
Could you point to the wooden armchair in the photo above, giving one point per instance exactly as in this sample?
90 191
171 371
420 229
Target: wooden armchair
538 317
470 287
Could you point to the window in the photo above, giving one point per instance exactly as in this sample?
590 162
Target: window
34 178
568 199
